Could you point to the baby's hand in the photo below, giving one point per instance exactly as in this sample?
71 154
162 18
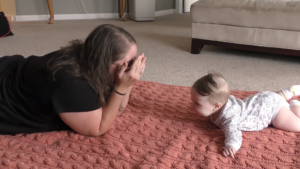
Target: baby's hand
229 151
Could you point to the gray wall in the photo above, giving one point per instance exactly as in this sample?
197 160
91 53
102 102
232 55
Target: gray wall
161 5
40 7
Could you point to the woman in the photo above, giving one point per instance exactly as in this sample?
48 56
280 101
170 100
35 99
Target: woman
82 87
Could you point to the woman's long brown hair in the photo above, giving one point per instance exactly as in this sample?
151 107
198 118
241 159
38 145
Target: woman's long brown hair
91 59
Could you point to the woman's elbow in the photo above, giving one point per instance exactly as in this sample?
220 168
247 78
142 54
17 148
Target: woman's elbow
121 110
95 133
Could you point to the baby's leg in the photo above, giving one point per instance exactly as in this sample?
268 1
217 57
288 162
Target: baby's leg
290 92
295 107
286 120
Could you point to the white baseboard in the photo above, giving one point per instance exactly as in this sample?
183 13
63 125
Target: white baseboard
82 16
165 12
67 16
11 18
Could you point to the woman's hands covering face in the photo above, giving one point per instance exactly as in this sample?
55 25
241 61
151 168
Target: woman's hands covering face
127 77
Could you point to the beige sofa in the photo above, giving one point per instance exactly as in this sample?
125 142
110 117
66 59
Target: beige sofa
259 25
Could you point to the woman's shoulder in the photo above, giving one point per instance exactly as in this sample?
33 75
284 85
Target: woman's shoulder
74 95
68 81
73 86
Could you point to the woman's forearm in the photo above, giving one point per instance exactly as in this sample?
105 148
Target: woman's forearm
125 100
110 112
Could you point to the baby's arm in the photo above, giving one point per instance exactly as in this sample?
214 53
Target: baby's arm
229 151
233 140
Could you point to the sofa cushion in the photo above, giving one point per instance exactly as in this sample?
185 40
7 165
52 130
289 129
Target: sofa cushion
273 14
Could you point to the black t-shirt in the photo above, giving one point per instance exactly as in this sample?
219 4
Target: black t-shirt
30 100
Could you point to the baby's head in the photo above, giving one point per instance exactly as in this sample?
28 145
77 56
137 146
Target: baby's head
209 94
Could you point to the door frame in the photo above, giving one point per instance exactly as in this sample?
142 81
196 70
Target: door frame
179 6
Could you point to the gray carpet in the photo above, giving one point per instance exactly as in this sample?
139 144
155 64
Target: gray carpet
166 44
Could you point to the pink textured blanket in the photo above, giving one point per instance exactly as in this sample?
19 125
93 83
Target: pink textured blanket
157 130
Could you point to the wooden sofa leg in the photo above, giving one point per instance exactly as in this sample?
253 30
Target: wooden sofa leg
196 46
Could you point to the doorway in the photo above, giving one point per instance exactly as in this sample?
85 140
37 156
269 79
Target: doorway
187 5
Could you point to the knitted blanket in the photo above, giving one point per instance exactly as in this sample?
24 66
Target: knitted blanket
157 130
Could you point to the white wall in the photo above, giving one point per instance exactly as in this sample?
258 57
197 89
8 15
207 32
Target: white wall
187 4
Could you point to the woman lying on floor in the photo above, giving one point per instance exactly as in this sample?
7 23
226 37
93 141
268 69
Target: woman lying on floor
82 87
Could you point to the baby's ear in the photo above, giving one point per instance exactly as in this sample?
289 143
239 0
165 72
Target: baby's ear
217 106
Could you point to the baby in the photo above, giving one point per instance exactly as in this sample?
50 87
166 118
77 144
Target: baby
211 97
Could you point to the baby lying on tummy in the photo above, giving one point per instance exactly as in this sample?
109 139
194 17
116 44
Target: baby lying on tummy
211 97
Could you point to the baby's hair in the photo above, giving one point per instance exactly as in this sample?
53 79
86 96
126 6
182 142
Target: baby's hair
214 86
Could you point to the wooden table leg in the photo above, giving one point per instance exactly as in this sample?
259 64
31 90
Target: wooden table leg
122 5
50 11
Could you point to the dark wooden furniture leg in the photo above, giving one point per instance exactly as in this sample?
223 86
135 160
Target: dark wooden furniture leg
122 5
50 11
196 46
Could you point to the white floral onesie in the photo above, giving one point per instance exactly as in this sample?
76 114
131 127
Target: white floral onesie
251 114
